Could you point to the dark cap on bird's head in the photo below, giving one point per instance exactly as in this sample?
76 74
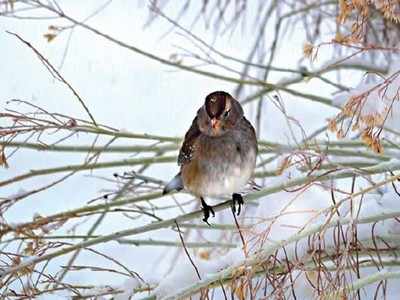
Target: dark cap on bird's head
219 114
216 102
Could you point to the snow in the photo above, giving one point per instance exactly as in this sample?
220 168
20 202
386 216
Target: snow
280 216
381 95
14 225
184 274
21 192
128 287
277 217
96 291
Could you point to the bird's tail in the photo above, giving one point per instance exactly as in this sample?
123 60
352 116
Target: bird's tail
175 184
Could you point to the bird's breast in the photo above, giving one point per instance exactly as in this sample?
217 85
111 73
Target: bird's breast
221 166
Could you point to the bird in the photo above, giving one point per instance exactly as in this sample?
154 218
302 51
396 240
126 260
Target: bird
218 154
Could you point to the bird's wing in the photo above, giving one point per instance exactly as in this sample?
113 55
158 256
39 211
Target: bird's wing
248 125
188 146
251 131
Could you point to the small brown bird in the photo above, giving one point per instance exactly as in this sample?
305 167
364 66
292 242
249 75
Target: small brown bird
218 155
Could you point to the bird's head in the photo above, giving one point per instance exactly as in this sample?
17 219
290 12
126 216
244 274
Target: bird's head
219 114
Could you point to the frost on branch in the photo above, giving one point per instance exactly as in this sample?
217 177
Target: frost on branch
303 236
371 107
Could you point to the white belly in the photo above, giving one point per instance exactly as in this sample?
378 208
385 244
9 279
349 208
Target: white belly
230 178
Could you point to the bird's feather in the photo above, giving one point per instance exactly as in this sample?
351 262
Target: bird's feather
250 127
188 146
175 184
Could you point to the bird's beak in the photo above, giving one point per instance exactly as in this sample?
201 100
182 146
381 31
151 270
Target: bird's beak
214 123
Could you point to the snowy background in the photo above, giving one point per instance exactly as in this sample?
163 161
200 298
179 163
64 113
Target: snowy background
131 92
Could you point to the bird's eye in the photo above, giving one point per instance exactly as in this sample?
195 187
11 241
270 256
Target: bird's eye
226 114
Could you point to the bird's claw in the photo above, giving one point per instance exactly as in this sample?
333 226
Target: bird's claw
206 210
237 199
205 221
